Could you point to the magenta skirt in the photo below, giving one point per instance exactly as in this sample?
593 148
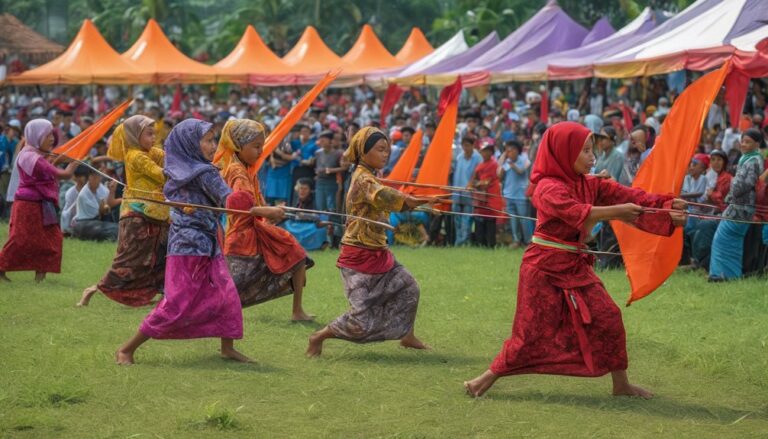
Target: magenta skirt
200 301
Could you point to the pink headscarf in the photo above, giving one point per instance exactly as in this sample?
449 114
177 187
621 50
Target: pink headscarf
34 133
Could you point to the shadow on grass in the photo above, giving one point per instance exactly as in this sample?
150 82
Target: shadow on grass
658 406
427 358
212 363
285 323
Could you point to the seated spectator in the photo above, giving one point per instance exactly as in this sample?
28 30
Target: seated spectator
310 230
699 233
410 228
70 199
94 201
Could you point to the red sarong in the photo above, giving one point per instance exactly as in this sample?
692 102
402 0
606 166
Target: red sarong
366 260
31 246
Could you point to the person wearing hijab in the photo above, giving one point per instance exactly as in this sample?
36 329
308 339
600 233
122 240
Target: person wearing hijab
565 321
137 274
593 122
728 243
35 238
265 261
382 294
200 297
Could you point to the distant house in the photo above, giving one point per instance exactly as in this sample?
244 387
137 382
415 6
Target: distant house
20 42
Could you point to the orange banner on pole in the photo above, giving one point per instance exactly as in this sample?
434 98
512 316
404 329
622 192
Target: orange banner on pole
403 170
79 146
437 162
651 259
291 119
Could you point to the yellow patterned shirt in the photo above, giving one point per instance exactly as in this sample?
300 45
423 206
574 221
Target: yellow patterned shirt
144 178
370 199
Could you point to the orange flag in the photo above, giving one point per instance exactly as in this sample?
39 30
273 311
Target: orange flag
403 170
651 259
79 146
292 118
437 162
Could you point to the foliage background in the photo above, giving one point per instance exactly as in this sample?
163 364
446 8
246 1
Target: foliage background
209 29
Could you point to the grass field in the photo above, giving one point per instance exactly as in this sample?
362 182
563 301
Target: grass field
703 348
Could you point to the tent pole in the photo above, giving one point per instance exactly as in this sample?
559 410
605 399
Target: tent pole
95 101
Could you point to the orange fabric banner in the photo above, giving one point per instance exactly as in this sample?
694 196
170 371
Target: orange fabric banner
437 162
403 170
651 259
79 146
292 118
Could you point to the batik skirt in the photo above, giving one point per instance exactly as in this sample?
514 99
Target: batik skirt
382 306
255 283
138 270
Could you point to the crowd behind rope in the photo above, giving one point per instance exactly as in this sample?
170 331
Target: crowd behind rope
494 149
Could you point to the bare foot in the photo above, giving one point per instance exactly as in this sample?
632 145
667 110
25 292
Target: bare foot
315 347
4 278
233 354
478 386
301 316
39 277
123 358
87 294
411 342
632 390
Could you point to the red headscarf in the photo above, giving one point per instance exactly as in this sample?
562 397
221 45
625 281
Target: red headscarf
558 151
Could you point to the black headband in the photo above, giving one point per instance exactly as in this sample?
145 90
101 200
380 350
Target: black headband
372 140
756 135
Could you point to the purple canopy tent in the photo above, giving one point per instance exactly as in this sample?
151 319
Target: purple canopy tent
536 70
550 30
577 65
408 77
601 30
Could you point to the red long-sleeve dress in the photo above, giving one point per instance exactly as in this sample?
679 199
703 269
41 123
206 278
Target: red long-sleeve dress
565 322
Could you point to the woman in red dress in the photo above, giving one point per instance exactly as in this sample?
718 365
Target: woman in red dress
565 322
35 239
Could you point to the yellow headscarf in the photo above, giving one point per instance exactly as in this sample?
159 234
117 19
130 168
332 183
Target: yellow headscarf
357 146
236 134
127 135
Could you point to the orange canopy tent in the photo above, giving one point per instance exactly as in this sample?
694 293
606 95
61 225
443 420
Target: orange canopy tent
88 60
157 57
310 55
415 47
250 56
368 54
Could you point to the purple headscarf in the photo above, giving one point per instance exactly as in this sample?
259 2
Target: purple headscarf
34 134
184 161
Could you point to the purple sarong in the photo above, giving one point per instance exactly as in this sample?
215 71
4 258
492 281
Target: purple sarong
200 301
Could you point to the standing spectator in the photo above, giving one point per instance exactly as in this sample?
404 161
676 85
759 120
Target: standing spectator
327 165
610 161
8 141
462 177
514 171
306 147
728 244
486 179
281 162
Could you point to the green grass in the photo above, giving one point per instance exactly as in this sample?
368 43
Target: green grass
703 348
